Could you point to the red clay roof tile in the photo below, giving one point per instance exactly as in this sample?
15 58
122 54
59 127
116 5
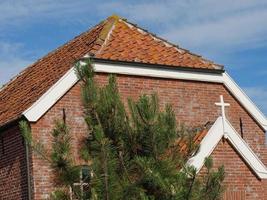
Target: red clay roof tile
114 39
182 145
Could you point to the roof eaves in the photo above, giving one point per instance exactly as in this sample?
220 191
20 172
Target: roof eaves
10 123
171 67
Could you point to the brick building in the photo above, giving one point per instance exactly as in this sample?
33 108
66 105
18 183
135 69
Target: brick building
143 63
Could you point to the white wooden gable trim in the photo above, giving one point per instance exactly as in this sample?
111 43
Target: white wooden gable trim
48 99
213 137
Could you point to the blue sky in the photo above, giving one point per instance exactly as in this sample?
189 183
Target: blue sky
232 33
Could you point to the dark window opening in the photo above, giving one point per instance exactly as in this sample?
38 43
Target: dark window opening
81 189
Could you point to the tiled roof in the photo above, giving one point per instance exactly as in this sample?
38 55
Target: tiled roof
113 39
128 42
183 145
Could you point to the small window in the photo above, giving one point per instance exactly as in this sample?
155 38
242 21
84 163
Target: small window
82 188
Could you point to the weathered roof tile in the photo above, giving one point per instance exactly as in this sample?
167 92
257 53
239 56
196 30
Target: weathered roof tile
114 39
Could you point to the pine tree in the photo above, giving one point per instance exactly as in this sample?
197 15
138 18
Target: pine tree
133 149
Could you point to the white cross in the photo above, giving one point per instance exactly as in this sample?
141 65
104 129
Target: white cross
222 104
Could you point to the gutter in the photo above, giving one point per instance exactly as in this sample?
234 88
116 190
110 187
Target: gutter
28 170
158 66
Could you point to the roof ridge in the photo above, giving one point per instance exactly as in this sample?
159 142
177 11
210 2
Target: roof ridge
170 43
104 34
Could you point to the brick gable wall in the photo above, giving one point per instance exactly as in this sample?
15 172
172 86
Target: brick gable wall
13 168
193 103
240 182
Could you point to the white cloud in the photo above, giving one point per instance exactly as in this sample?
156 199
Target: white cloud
204 25
244 31
21 13
181 12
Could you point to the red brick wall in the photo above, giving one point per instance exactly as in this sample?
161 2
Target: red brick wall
41 172
241 183
13 170
193 103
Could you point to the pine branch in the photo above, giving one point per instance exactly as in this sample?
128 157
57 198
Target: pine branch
124 166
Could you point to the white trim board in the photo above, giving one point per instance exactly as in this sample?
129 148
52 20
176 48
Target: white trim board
51 96
48 99
213 137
